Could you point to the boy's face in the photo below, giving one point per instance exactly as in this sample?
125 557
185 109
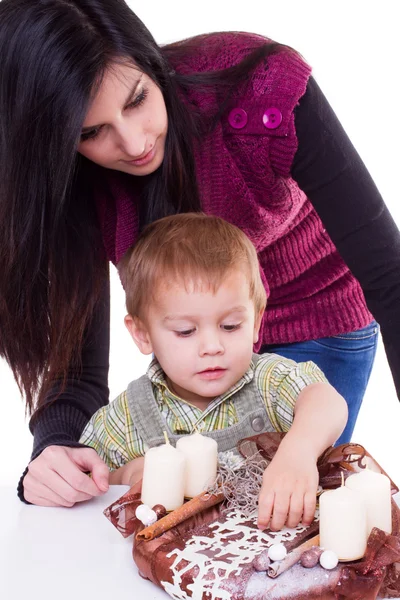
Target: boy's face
203 341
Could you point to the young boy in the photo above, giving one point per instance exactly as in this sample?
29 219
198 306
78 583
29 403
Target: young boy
195 299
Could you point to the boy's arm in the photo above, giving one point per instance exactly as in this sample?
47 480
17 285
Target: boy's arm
129 474
290 481
320 415
108 432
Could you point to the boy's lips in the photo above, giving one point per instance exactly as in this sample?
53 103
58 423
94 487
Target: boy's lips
212 373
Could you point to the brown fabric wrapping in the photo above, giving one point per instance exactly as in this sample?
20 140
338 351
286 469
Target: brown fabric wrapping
370 575
121 513
346 458
377 573
151 556
353 586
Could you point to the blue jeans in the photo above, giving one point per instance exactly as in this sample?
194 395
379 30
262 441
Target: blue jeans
346 361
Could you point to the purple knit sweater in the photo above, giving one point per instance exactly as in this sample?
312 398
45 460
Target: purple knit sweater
244 176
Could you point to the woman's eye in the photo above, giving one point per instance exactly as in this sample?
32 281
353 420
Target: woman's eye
90 135
139 99
185 333
231 327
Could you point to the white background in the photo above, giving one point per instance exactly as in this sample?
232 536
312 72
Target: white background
353 48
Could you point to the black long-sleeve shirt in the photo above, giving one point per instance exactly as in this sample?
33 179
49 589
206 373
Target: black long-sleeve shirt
331 173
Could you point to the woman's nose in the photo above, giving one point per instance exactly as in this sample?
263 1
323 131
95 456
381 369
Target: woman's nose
132 140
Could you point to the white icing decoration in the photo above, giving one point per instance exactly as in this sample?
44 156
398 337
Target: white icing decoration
212 572
328 559
277 552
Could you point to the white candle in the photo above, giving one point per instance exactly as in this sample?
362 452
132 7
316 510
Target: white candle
343 523
163 477
201 454
375 491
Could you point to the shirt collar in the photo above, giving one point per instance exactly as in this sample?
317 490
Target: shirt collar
157 378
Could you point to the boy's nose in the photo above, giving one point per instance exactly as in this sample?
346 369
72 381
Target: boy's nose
211 345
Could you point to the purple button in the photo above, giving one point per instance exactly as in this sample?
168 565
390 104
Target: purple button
272 118
237 118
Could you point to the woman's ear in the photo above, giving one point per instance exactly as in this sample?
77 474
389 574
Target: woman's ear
139 333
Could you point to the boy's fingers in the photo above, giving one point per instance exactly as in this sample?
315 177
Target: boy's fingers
296 508
309 507
265 506
280 511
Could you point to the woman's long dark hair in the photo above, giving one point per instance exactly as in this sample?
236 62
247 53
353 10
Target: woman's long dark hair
53 54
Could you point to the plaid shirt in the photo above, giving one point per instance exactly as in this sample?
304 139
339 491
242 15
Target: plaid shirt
112 433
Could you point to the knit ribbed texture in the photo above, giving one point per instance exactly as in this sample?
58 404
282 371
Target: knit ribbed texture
244 176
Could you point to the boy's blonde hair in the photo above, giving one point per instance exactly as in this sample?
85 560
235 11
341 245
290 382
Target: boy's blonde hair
189 247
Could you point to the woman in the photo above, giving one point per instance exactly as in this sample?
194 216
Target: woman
102 132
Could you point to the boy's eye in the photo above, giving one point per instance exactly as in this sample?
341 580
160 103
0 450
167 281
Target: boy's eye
231 327
185 333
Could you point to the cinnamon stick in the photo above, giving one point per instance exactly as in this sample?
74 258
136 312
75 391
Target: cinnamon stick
187 510
279 567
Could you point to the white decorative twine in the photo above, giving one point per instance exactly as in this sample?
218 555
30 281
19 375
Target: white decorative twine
240 480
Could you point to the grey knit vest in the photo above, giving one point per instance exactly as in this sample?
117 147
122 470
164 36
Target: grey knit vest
149 422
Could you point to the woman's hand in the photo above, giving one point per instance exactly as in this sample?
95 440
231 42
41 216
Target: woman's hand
57 477
288 492
129 474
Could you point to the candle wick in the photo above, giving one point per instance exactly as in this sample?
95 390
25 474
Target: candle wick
166 438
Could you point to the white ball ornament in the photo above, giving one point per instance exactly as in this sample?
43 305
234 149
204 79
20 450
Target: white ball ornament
149 518
328 559
277 552
142 512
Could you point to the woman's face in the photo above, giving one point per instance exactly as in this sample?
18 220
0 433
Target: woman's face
126 125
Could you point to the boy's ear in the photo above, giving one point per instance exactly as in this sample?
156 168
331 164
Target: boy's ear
257 325
139 333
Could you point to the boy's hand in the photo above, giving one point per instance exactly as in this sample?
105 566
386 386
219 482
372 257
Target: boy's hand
129 474
288 493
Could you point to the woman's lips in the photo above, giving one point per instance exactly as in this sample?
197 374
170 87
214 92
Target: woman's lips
211 374
139 162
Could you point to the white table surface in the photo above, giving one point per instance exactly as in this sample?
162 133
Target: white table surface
67 553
